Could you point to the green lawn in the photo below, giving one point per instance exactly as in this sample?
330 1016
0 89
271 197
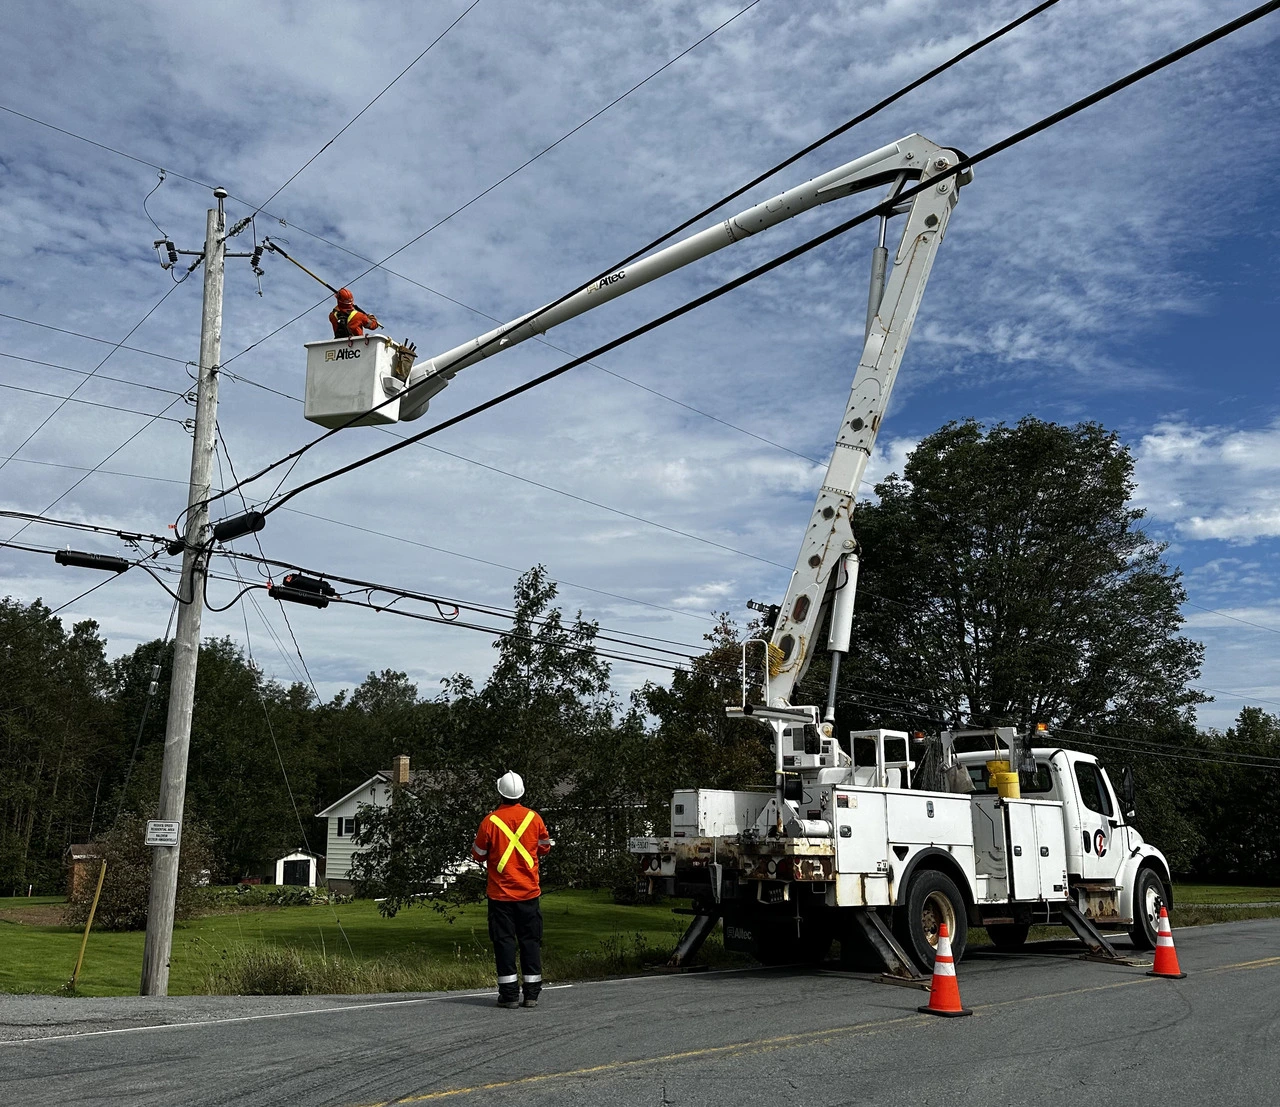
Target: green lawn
40 957
1223 893
586 934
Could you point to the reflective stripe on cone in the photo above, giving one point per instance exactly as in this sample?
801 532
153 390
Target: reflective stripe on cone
944 991
1166 956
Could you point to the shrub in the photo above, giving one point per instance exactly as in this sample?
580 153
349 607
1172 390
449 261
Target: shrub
127 885
271 895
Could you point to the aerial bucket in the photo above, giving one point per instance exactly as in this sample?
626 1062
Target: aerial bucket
348 376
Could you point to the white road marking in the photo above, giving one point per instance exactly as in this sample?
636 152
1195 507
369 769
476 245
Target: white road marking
255 1018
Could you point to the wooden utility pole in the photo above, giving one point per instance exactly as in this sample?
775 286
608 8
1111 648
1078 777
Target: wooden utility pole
186 643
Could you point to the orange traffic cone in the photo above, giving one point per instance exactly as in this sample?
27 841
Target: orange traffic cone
944 992
1166 956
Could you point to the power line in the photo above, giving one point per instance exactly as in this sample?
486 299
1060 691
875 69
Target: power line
1233 618
502 180
50 506
440 602
364 109
115 346
87 373
95 338
78 400
963 165
847 125
559 581
357 584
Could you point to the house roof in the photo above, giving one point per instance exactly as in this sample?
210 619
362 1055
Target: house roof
382 776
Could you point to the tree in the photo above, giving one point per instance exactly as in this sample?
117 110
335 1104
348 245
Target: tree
127 882
695 745
58 740
547 712
1005 580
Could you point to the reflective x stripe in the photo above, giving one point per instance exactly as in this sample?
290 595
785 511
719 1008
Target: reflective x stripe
514 842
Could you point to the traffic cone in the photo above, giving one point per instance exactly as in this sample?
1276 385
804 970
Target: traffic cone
1166 956
944 992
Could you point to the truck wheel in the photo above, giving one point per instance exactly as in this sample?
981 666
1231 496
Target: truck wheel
1149 895
932 899
1008 936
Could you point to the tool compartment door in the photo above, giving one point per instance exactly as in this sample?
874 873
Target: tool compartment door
1036 850
1051 850
1024 866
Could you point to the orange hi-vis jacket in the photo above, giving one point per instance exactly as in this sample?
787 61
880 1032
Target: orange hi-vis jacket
510 841
350 324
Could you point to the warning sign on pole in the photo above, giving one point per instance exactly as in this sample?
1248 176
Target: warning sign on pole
162 833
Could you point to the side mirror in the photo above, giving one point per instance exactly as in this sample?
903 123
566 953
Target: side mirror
1128 792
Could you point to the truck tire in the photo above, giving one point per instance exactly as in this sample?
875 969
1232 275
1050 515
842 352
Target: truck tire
1008 936
932 898
1149 895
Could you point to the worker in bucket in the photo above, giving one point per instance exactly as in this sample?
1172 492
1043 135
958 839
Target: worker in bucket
347 320
510 842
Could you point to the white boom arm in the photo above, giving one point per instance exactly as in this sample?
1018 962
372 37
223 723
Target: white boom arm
908 160
826 571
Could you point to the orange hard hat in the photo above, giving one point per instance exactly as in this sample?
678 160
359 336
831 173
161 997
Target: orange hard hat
344 296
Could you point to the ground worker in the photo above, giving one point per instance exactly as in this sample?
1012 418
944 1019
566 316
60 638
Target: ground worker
509 842
347 320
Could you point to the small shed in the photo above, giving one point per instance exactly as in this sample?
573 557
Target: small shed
84 860
301 868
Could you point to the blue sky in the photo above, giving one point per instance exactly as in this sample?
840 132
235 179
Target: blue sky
1119 268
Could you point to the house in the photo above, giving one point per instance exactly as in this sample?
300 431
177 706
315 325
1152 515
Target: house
301 868
343 818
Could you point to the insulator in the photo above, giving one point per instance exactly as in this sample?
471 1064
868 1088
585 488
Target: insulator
153 688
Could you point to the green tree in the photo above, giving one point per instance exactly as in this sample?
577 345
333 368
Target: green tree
547 712
1005 580
694 744
58 741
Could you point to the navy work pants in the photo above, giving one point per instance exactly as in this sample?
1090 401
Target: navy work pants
515 925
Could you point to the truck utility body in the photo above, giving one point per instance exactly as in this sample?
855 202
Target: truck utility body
856 837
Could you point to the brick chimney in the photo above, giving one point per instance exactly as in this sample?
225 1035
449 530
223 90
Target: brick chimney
400 769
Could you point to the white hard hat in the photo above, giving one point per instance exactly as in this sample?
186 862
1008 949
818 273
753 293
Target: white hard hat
510 786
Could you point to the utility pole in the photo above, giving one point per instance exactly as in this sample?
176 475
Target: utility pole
186 643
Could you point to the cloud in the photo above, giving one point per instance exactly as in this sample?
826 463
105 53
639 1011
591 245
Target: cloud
1210 482
1060 253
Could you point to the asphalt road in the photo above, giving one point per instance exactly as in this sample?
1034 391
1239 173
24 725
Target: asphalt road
1046 1027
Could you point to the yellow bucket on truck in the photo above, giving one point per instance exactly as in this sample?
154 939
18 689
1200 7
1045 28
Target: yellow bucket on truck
1006 782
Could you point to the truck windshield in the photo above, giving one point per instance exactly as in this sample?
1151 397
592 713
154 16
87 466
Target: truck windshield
1040 782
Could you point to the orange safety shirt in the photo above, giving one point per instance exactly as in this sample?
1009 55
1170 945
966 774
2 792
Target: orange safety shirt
509 842
350 324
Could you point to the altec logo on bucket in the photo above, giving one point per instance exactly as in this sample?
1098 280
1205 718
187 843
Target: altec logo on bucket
347 353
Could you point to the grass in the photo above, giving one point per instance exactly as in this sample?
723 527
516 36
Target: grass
1224 893
350 948
326 949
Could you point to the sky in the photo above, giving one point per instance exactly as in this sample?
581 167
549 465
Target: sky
1119 268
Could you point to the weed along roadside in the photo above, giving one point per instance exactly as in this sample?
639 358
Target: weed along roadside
332 948
348 948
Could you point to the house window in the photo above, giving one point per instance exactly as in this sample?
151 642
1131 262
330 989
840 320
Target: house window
347 827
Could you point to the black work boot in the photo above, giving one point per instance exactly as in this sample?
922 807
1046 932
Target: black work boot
509 1004
530 1001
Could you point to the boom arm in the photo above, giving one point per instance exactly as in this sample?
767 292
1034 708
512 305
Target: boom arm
826 571
905 160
